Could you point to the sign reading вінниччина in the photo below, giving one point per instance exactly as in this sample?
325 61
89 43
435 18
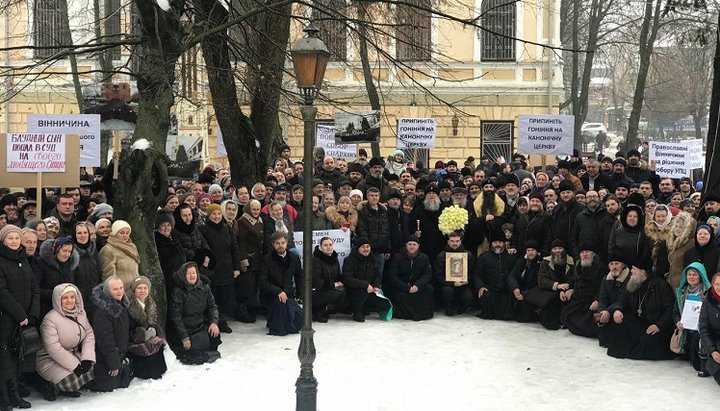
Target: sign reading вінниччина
33 153
546 134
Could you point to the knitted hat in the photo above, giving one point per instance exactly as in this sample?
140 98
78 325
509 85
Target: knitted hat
413 238
215 187
566 186
376 161
164 217
119 225
10 228
531 244
356 192
101 209
213 207
202 196
361 241
620 161
140 280
633 153
59 242
557 243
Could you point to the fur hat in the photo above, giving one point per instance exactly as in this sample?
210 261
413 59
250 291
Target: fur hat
557 243
511 179
10 228
140 280
164 217
355 168
376 161
566 186
536 195
637 199
213 207
563 164
119 225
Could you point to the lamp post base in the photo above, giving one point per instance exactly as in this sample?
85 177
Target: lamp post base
306 384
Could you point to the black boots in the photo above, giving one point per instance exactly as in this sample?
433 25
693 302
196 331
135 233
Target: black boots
358 317
4 398
244 315
15 398
224 327
48 391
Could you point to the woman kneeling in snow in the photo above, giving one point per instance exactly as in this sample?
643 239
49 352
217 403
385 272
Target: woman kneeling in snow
147 343
68 353
194 317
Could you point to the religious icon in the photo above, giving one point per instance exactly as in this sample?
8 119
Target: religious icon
456 267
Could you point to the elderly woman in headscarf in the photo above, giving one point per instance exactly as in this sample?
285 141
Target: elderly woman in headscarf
120 256
706 250
276 222
66 358
53 227
657 230
714 223
693 286
104 228
56 265
679 241
396 163
147 341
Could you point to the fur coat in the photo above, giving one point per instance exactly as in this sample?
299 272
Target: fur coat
658 237
337 219
678 245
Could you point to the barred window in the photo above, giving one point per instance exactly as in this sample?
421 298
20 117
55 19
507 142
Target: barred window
499 21
112 26
48 27
330 19
413 33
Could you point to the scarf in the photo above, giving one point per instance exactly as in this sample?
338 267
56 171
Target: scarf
715 294
689 290
128 248
252 220
280 226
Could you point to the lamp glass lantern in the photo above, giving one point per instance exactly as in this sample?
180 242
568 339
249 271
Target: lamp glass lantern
310 57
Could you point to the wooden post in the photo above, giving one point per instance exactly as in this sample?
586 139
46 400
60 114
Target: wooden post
40 193
116 153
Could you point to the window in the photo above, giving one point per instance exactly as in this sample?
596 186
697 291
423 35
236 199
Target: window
413 32
112 26
498 39
330 19
48 27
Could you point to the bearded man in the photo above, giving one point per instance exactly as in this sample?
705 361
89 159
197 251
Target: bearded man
375 179
424 223
485 215
534 226
555 280
579 313
610 290
587 223
490 280
459 197
642 322
564 215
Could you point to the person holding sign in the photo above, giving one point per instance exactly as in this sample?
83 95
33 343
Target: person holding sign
328 288
693 286
709 327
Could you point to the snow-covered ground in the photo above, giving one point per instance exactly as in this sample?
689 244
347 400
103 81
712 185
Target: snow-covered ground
460 363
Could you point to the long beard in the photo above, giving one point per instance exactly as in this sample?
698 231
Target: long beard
498 250
488 206
460 203
431 205
376 175
615 273
558 260
635 282
585 263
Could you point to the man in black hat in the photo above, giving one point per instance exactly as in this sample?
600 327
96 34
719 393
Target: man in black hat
459 197
622 191
457 296
486 211
564 169
398 220
578 313
28 212
523 278
491 279
375 179
610 289
586 227
363 281
564 215
637 172
555 279
618 175
355 173
534 226
642 322
424 222
710 207
409 281
512 195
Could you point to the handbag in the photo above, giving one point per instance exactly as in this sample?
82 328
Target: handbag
27 341
676 345
126 373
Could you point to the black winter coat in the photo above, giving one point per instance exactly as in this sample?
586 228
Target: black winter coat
87 272
533 226
52 273
639 174
600 181
326 270
111 325
630 241
406 271
171 255
432 239
658 303
251 238
586 281
492 270
586 231
359 271
193 244
224 248
193 308
524 274
709 327
19 294
399 226
548 275
610 291
280 274
564 222
708 256
373 225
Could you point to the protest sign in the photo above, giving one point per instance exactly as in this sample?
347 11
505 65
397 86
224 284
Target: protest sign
340 238
87 126
546 134
325 138
671 160
416 133
363 127
697 160
32 153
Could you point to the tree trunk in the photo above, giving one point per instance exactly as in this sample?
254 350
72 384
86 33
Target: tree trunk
712 175
73 59
142 186
648 33
372 92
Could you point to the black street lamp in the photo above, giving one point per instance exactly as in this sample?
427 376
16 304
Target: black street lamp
310 58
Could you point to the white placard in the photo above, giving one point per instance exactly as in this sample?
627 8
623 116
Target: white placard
416 133
220 150
697 160
546 134
32 153
325 138
691 315
340 238
672 160
87 126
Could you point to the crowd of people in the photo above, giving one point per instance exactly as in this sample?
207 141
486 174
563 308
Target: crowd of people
602 247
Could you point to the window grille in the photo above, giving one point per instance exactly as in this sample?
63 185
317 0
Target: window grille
414 31
499 21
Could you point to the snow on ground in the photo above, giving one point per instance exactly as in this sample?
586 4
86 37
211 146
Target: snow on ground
460 363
